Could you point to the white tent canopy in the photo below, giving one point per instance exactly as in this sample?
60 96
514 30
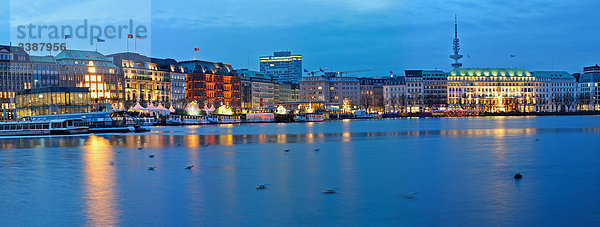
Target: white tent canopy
137 108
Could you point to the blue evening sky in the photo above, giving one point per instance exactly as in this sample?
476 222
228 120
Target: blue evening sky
380 34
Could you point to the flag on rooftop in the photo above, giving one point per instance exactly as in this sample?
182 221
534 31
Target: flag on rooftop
100 40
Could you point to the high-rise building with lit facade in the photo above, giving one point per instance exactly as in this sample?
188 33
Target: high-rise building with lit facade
45 71
211 83
283 66
80 68
144 80
15 75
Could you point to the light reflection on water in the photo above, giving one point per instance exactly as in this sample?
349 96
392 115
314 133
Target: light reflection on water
195 140
461 168
100 195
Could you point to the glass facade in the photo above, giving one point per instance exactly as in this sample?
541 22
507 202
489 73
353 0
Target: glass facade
53 100
283 66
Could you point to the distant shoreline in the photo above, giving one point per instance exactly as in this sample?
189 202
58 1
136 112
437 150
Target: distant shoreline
509 114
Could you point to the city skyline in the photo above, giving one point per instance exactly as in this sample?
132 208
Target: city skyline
382 35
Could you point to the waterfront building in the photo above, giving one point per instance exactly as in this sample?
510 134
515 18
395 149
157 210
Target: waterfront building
287 92
435 90
144 81
211 83
257 90
177 78
371 93
414 90
555 91
283 66
45 71
394 95
177 82
15 75
52 100
331 89
80 68
345 88
492 89
315 88
589 88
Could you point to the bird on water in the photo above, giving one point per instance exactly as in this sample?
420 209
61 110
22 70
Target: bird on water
329 190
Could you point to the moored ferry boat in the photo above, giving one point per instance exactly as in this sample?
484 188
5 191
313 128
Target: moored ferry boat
224 119
194 120
43 127
309 117
174 120
98 122
260 117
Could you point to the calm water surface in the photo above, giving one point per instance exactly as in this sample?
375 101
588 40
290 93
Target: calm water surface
460 168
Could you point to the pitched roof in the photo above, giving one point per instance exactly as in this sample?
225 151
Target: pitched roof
489 72
552 74
43 59
82 57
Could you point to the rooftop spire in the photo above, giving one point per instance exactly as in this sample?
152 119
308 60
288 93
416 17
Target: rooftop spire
455 27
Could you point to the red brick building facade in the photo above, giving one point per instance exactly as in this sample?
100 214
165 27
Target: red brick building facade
211 83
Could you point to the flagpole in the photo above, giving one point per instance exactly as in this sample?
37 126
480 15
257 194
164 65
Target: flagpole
66 37
127 44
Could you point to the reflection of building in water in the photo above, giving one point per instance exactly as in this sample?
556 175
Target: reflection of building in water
53 100
100 194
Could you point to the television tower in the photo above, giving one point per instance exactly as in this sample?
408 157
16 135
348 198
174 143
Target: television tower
456 46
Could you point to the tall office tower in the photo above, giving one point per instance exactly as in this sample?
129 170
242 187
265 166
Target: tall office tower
283 66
